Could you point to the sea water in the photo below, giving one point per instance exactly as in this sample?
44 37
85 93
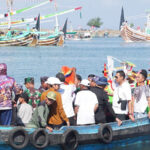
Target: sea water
88 57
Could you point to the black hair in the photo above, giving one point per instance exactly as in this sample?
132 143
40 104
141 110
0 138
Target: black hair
79 77
60 76
91 76
121 73
25 96
143 72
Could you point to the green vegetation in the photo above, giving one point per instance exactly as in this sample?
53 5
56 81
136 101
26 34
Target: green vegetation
131 25
96 22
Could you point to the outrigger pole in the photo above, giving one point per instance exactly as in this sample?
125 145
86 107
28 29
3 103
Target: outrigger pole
41 18
23 9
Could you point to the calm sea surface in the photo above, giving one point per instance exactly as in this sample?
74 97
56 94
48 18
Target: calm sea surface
87 56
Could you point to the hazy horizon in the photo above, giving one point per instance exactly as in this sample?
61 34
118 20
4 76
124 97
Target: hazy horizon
108 10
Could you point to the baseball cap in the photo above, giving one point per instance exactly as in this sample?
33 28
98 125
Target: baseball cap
29 80
51 95
53 80
85 82
102 81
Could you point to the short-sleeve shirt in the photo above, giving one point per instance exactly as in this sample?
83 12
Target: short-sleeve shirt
140 94
122 92
6 87
86 101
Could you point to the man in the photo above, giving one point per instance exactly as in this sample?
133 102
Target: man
33 94
86 104
122 97
57 115
40 115
141 96
6 87
78 80
100 114
18 90
24 113
43 86
66 91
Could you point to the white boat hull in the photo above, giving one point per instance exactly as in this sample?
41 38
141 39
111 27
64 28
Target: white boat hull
132 35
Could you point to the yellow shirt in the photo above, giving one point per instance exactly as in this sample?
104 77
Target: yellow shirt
57 114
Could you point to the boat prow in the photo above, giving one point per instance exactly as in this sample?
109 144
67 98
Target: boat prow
132 35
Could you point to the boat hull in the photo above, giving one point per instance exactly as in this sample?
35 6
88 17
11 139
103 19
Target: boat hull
89 136
20 41
55 41
131 35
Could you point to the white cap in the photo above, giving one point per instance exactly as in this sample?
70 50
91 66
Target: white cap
85 82
53 80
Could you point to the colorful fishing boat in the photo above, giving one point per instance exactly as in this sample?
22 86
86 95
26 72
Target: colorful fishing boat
24 39
134 35
52 40
97 137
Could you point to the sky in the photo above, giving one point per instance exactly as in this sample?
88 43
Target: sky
108 10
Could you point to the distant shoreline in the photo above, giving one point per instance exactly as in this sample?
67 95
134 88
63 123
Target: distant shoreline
94 33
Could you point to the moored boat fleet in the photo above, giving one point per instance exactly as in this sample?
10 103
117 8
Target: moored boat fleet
32 37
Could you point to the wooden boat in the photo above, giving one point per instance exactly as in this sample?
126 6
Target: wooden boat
101 136
132 35
24 39
52 40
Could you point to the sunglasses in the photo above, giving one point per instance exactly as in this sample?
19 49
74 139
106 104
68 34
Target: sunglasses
116 77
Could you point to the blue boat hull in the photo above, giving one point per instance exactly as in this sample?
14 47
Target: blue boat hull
86 137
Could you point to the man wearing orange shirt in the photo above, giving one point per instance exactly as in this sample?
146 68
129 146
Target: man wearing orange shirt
57 115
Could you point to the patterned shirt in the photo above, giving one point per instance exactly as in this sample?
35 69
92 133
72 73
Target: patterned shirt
34 96
6 87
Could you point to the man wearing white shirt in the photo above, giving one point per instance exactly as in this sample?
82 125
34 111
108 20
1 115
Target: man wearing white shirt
66 91
122 97
141 96
86 104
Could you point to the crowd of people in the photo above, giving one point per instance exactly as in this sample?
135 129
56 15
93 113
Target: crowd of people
67 99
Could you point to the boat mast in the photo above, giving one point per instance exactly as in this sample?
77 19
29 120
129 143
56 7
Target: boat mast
9 5
147 29
121 18
56 18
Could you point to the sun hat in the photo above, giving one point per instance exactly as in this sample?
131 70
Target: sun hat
51 95
53 80
85 82
102 81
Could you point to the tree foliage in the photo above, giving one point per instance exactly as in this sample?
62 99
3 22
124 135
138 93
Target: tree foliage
96 22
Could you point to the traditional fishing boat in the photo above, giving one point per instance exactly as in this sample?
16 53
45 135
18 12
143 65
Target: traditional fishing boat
24 39
101 136
131 35
52 40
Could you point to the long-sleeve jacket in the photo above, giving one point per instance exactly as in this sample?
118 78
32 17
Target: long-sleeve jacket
57 114
40 116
